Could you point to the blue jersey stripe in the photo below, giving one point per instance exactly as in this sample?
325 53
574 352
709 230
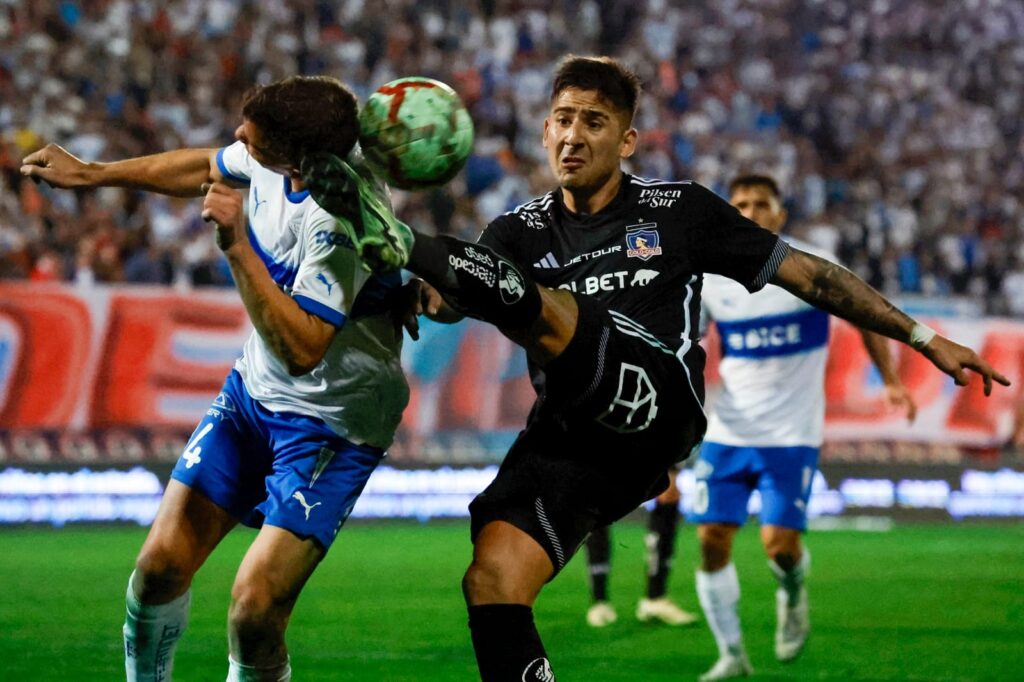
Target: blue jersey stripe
774 336
282 274
224 169
324 312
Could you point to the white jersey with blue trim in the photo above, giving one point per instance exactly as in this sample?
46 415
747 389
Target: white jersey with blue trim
774 348
358 388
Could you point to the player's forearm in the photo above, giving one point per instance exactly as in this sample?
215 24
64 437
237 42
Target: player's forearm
878 350
296 338
838 291
178 173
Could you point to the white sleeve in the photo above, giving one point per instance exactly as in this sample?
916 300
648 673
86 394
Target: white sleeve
330 275
235 164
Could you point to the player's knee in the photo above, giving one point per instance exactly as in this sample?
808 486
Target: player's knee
715 546
487 582
161 574
785 554
782 546
254 613
480 582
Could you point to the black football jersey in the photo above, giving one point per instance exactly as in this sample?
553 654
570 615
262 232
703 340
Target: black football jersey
643 254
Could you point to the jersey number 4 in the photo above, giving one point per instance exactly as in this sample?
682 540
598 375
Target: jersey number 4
192 450
635 404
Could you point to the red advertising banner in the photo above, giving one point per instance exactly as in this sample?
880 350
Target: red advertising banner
136 357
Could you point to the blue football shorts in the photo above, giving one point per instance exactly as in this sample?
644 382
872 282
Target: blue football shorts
281 468
726 475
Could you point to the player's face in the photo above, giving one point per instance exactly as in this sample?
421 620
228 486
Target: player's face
757 203
586 138
249 134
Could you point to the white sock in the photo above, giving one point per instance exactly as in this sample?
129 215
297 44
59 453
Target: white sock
239 672
719 596
150 633
792 581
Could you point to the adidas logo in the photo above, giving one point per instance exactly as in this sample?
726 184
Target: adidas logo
547 262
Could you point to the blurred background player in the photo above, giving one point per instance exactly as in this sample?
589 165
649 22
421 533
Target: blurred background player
659 542
622 369
315 398
764 433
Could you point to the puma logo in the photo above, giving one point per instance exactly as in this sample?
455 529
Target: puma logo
321 277
305 505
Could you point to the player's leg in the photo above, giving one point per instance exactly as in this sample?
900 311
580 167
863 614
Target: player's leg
785 492
721 494
208 493
472 277
508 570
273 572
660 541
187 527
599 564
316 478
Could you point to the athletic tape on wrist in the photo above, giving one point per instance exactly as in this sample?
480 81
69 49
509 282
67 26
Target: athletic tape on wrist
920 335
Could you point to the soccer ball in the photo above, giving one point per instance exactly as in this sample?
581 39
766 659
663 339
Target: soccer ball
415 133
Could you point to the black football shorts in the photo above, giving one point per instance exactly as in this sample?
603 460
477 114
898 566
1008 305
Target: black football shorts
618 410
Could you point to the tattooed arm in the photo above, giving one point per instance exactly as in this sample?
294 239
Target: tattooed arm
836 290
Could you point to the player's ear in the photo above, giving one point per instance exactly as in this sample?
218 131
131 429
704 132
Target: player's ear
544 136
629 139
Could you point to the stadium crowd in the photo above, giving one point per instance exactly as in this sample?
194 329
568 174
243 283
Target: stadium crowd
893 125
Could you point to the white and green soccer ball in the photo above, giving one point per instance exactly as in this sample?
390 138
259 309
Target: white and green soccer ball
415 133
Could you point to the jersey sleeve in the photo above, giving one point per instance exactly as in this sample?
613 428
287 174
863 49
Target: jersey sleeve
503 236
726 243
235 163
330 275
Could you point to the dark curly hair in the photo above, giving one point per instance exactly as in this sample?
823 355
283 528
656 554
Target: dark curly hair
613 80
302 114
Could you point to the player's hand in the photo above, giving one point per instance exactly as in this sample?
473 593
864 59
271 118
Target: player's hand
223 206
407 307
57 167
954 359
897 397
430 300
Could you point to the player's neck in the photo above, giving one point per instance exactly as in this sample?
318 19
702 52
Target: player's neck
586 201
296 183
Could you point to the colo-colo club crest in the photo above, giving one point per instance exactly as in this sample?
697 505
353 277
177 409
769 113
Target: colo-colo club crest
642 241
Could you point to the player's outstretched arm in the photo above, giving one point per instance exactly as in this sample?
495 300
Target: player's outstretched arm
177 173
836 290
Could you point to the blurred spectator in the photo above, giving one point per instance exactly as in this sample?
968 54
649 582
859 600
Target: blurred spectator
893 125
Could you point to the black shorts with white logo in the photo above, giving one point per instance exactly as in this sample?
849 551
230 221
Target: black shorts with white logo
618 411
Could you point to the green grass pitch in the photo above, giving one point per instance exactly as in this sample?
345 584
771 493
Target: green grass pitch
917 603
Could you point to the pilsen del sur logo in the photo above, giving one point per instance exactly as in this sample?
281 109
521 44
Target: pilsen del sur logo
642 241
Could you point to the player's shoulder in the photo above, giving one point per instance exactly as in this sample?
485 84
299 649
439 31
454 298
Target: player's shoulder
668 194
534 214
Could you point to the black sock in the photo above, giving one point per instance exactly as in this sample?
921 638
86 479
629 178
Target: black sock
661 542
507 645
476 281
599 556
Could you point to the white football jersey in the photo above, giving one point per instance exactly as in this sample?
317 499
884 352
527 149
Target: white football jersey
774 348
358 388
